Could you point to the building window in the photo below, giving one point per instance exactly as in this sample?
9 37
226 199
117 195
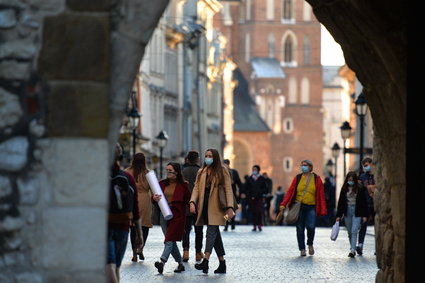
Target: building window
307 48
288 125
287 164
287 10
306 11
270 10
305 91
292 90
288 50
272 45
247 47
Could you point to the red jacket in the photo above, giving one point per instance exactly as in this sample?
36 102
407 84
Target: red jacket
320 195
179 202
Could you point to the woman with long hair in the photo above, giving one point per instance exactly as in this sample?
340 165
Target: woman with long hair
352 205
138 169
177 193
205 202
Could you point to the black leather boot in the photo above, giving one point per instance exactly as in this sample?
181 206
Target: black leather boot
221 268
202 266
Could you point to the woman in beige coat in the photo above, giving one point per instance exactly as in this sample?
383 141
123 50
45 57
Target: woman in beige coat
139 170
206 204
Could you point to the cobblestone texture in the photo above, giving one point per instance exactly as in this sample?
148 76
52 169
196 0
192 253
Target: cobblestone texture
268 256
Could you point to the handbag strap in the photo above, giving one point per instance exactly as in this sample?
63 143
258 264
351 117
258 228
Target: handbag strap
306 186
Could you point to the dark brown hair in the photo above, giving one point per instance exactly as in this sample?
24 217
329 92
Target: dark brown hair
176 166
216 167
355 180
138 165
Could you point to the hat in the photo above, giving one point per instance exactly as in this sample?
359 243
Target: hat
308 162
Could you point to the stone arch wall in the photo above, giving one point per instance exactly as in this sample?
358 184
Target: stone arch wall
66 71
373 38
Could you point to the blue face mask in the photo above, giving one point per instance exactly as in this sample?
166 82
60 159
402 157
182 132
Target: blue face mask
208 161
304 169
367 168
254 172
350 183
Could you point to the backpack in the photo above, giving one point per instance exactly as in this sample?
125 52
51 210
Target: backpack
121 199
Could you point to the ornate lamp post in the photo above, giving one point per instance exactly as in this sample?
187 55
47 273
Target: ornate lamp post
361 110
335 153
162 138
134 117
345 134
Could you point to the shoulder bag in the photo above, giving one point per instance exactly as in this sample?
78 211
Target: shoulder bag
293 212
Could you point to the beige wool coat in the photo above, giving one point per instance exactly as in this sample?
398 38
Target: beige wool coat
215 213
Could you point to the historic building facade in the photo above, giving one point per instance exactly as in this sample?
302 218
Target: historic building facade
276 45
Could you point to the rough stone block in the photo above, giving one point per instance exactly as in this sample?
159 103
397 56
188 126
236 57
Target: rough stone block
8 18
78 109
13 154
68 235
87 183
75 47
89 6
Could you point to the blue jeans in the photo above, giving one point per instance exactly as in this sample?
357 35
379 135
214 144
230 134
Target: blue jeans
117 243
306 220
352 223
169 246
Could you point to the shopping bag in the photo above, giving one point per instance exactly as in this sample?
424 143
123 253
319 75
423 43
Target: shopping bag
335 231
292 213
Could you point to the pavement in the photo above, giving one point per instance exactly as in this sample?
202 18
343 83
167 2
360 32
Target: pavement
256 257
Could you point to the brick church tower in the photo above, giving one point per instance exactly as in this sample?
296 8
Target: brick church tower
276 45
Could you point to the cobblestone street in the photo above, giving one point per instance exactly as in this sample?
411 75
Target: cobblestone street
268 256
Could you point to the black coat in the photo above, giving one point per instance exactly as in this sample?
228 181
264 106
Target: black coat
256 189
361 203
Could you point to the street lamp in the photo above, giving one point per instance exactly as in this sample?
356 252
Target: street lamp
162 138
361 110
345 134
335 153
329 166
134 118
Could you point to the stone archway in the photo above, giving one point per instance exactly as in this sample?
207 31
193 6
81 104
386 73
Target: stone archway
373 37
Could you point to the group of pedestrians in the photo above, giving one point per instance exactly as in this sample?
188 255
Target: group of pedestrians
195 195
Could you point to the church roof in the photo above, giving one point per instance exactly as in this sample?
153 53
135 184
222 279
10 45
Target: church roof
267 68
245 114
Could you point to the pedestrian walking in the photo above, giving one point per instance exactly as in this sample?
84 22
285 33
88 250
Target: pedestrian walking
352 206
190 170
268 198
256 190
236 188
245 214
120 217
368 181
177 194
205 202
138 169
277 199
307 188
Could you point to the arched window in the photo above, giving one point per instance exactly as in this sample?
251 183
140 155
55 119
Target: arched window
288 46
307 51
288 125
287 10
272 44
305 91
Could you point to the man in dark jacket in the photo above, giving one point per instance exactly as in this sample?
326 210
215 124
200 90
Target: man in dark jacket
190 170
236 188
256 190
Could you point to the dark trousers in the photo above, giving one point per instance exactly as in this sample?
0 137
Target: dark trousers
199 235
214 240
256 207
363 228
145 231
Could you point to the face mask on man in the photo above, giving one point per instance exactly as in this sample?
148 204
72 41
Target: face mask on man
350 183
304 168
254 172
367 168
208 161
